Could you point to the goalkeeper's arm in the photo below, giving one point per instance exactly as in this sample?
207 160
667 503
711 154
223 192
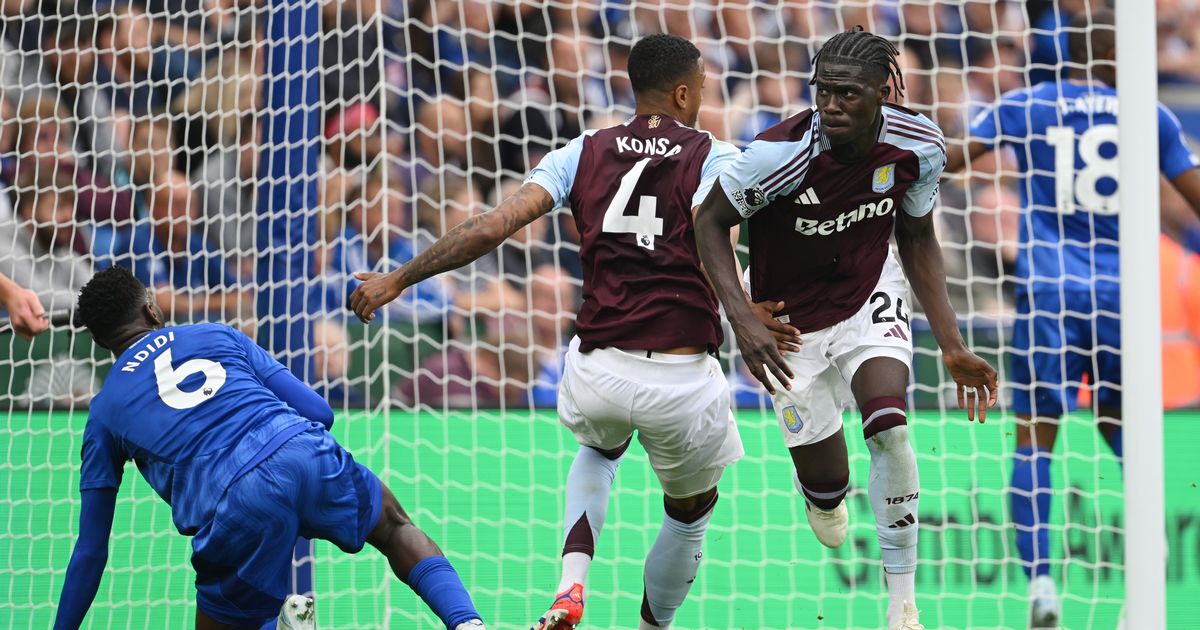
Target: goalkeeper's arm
88 559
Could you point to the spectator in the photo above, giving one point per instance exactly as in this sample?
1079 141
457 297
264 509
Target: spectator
41 232
70 57
330 356
1178 42
477 288
490 373
372 238
43 142
773 94
553 303
354 136
137 71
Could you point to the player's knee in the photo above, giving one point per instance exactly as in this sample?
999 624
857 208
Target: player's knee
883 415
614 453
825 491
693 508
890 440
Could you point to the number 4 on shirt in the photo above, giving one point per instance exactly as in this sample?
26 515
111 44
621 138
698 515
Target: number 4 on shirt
645 224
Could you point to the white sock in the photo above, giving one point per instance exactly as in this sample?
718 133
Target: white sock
893 489
671 567
902 587
575 567
588 485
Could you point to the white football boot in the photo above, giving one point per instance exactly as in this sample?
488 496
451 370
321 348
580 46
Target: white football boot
1044 607
297 614
910 619
828 525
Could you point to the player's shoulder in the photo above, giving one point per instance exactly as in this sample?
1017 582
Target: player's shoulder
1168 117
796 128
912 131
903 118
207 330
721 148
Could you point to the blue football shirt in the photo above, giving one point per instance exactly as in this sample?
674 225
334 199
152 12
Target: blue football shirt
189 406
1065 138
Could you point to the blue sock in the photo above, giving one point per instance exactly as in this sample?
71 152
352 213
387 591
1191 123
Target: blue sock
1030 501
1117 443
436 582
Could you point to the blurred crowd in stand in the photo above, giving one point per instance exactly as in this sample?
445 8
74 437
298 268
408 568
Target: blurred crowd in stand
130 133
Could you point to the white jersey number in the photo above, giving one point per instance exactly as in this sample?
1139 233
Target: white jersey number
645 224
169 377
1071 185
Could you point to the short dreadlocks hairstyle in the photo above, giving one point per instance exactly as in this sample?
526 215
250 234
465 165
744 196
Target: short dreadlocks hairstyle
857 46
112 298
660 61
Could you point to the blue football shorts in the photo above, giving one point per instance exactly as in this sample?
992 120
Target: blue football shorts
309 487
1057 339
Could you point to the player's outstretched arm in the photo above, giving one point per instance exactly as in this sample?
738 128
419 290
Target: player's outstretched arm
1188 185
300 397
24 308
921 256
460 246
88 559
715 218
958 156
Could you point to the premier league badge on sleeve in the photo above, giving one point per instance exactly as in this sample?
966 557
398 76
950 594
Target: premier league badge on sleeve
884 178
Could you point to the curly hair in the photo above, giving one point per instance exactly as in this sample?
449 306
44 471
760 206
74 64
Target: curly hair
660 61
112 298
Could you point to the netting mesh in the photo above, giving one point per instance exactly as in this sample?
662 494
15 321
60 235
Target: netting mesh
135 133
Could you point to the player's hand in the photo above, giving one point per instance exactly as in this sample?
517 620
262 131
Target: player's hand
976 380
25 312
787 338
376 290
761 352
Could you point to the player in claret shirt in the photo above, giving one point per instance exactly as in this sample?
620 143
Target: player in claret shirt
641 361
823 192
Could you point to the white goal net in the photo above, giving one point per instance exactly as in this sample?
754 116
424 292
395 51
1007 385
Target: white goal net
245 157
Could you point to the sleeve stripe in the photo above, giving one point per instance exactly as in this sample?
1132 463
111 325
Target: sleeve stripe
902 117
935 139
764 181
793 174
926 139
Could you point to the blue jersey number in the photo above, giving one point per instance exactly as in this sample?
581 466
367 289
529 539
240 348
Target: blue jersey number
1071 185
170 377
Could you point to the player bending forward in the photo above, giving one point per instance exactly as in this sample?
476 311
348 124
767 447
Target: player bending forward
641 361
824 191
1068 296
241 451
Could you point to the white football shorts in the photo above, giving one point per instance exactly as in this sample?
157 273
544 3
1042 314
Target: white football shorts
678 404
825 365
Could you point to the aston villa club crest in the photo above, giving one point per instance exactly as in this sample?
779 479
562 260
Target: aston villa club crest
791 419
884 178
653 122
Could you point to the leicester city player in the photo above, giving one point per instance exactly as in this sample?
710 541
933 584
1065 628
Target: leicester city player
241 451
1064 134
